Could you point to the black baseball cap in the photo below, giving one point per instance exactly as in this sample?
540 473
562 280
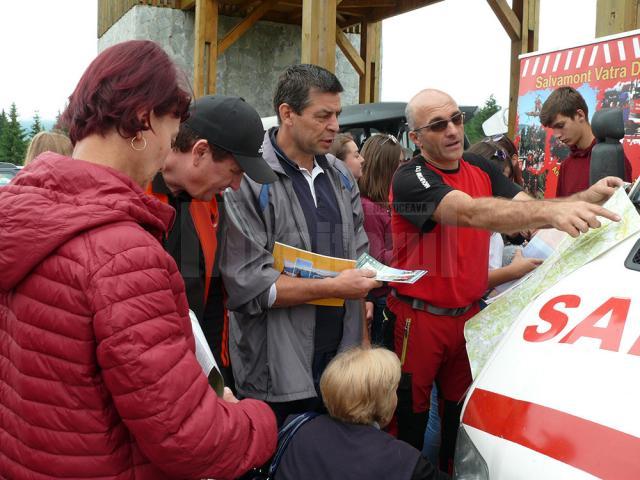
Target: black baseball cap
233 125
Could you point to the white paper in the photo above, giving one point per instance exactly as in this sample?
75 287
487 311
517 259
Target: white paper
204 355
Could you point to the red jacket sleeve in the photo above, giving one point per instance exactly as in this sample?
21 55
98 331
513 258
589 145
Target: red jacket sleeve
146 351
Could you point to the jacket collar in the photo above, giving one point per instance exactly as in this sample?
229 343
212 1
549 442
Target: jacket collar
158 185
271 151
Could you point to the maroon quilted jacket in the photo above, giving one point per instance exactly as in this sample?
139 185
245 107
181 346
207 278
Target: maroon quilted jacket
98 378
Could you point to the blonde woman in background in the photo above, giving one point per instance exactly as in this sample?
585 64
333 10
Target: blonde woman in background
48 142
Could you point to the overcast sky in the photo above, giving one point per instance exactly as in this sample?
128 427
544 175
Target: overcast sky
455 45
460 46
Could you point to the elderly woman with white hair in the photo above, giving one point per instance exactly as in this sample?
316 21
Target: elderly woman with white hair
359 390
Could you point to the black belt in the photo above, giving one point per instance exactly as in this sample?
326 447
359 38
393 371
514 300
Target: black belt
418 304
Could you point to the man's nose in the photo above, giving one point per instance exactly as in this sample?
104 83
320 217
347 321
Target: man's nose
333 125
452 129
237 180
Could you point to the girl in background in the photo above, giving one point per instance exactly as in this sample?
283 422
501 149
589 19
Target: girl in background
345 149
382 155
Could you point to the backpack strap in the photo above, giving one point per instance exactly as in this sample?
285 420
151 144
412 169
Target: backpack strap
263 197
284 437
264 211
345 180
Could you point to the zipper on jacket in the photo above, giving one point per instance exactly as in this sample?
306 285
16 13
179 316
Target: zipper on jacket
405 340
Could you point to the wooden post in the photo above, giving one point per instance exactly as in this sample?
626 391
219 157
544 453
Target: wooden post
527 13
521 24
319 33
205 52
370 39
616 16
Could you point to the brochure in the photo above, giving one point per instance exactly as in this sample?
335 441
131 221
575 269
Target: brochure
296 262
389 274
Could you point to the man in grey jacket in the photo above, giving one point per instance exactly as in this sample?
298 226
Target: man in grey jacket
279 343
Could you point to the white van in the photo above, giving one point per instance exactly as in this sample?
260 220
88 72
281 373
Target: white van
559 397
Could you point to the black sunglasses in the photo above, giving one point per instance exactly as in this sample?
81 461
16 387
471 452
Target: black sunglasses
441 125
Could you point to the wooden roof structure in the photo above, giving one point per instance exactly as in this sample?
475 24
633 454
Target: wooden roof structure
350 13
324 26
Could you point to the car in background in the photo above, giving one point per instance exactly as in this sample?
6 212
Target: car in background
7 172
366 119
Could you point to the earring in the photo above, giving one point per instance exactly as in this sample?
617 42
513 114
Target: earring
144 143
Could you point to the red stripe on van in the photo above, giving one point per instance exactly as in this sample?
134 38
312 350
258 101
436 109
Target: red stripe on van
589 446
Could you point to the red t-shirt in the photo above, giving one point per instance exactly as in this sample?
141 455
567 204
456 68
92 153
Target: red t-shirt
456 258
574 171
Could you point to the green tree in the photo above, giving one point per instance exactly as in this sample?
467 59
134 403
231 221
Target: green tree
13 144
36 126
57 126
473 129
3 121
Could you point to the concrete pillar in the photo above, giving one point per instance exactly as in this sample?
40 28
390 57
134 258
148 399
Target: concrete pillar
248 68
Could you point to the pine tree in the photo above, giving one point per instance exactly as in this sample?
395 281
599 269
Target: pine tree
3 121
473 129
57 126
36 126
13 144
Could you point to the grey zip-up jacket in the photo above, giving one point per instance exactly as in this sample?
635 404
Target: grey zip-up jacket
271 349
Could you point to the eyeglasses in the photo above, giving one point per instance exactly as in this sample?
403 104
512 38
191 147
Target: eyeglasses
390 138
494 138
441 125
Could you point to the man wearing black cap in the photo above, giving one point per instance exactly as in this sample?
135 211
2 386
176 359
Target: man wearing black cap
219 141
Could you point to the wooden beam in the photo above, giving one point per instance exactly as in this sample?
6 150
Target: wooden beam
205 52
527 13
376 14
241 28
319 33
350 52
616 16
507 18
370 36
533 22
187 4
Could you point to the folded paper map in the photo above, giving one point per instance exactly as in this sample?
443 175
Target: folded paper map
484 331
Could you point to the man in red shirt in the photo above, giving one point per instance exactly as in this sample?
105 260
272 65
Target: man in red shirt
444 205
566 112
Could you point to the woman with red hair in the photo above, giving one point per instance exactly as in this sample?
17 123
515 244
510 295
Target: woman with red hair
98 376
